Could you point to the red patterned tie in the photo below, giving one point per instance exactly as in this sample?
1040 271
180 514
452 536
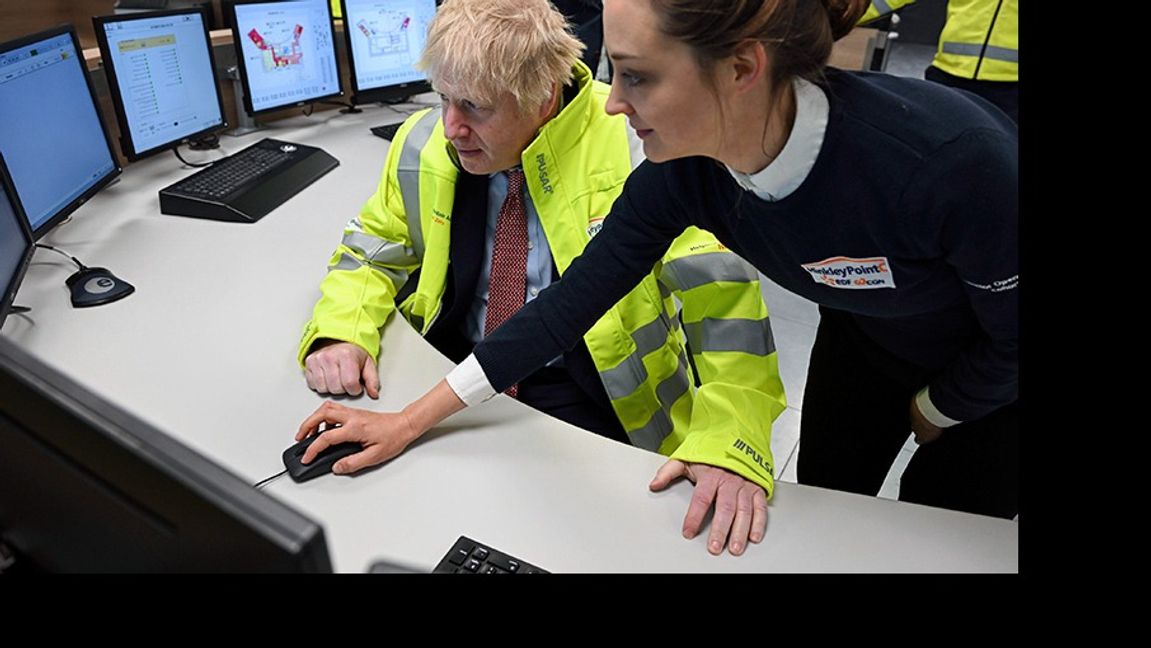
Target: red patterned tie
508 280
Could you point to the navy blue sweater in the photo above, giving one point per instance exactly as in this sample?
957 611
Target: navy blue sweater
908 221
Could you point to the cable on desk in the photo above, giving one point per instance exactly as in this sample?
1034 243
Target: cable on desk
205 143
187 163
261 483
74 259
349 107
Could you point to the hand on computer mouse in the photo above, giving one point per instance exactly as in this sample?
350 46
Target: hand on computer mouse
337 368
382 434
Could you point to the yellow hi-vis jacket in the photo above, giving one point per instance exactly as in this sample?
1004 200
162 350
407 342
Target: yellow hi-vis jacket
980 39
574 169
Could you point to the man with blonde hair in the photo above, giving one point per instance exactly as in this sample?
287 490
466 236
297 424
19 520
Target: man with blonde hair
487 199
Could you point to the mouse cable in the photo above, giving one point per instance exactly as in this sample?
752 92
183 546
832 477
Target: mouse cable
74 259
261 483
191 164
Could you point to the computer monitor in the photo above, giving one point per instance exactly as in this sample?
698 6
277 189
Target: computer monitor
385 39
287 53
51 131
161 74
87 487
16 246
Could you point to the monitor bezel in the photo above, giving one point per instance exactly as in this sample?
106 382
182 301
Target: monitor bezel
67 210
87 434
383 94
238 46
127 146
9 295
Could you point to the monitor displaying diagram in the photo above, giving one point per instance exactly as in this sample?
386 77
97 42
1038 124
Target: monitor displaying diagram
387 38
287 51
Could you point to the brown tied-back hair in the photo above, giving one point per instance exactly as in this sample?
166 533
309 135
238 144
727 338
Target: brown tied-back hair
797 33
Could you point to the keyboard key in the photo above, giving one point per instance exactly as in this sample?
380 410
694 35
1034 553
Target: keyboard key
473 557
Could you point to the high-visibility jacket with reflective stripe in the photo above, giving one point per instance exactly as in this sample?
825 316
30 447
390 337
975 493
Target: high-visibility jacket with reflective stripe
980 39
574 170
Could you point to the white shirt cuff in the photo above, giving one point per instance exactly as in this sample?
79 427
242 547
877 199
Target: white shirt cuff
929 411
469 382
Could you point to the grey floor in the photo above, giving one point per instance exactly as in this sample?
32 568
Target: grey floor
794 319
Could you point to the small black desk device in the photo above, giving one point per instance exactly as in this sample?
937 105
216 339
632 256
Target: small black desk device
96 286
323 462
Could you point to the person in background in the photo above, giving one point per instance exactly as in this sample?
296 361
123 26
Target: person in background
486 201
586 16
978 48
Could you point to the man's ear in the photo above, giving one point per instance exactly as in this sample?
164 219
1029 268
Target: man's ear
549 106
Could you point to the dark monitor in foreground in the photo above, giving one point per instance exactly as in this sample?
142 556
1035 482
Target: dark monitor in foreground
15 243
287 53
385 39
87 487
161 73
51 131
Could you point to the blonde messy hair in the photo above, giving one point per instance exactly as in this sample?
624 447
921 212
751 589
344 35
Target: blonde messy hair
483 48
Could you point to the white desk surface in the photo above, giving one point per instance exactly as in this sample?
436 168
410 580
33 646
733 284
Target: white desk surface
205 350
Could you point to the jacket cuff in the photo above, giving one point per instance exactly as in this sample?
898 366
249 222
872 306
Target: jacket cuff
931 412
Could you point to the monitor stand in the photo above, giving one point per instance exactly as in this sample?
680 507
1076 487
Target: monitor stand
245 123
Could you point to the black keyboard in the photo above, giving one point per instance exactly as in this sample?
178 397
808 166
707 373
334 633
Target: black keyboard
387 131
470 557
245 186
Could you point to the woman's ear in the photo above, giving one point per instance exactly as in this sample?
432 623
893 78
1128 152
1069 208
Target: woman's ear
748 65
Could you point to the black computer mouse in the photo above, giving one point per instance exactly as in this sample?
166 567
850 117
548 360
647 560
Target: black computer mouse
323 462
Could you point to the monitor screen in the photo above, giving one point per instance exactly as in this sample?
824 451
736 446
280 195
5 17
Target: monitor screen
162 75
87 487
287 53
385 40
52 134
15 243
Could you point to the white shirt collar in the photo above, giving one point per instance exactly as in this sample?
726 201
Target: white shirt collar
788 170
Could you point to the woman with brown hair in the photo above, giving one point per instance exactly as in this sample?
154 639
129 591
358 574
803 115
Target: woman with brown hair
890 202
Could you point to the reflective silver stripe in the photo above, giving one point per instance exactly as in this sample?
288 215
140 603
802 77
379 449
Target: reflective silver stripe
882 6
650 336
652 433
972 49
689 272
630 374
377 250
409 175
349 262
355 225
744 335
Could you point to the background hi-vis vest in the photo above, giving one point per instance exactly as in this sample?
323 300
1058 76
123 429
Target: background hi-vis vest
980 39
574 170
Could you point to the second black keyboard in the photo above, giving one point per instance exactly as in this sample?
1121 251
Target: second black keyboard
387 131
246 185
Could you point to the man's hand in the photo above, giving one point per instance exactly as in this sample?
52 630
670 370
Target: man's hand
339 367
740 505
925 431
383 435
